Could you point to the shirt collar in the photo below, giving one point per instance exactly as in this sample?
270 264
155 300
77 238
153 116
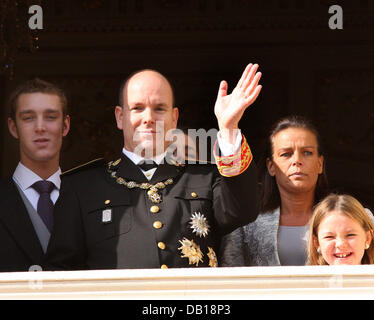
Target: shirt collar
25 177
136 159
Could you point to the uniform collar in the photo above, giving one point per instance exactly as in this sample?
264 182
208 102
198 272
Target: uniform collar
126 169
136 159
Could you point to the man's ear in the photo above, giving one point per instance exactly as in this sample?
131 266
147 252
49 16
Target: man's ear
175 116
66 126
118 112
12 126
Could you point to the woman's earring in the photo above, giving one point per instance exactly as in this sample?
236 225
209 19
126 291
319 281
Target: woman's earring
367 246
319 250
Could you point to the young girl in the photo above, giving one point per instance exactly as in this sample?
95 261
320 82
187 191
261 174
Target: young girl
341 232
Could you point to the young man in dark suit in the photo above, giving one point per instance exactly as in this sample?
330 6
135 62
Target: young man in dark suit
38 119
126 215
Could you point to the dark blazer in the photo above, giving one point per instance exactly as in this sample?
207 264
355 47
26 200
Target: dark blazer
19 245
83 238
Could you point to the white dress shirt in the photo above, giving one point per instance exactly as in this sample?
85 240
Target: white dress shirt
25 178
226 147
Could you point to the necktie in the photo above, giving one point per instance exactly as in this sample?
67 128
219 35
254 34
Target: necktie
45 204
147 165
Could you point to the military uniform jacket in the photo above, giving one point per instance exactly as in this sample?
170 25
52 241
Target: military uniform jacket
101 224
19 245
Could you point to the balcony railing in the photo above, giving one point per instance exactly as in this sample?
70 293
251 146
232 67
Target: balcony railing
309 282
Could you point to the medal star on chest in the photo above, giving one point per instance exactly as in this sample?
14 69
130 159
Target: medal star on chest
199 224
191 250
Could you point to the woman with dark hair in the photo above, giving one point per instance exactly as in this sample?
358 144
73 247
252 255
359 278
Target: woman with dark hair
292 179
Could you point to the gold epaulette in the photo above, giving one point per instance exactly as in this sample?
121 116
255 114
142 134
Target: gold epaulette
87 165
235 164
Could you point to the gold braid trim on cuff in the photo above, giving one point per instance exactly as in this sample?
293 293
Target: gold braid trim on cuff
234 164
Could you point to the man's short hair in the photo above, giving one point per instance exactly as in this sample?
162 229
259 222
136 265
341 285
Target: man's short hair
35 86
127 80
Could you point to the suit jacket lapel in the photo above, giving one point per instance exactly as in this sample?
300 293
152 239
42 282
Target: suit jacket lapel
14 216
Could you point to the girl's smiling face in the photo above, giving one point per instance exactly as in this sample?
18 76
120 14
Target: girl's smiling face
341 240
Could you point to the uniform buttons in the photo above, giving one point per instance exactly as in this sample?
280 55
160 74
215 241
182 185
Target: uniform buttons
161 245
164 266
157 224
154 209
194 194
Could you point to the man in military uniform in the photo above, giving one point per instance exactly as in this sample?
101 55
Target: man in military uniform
126 215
